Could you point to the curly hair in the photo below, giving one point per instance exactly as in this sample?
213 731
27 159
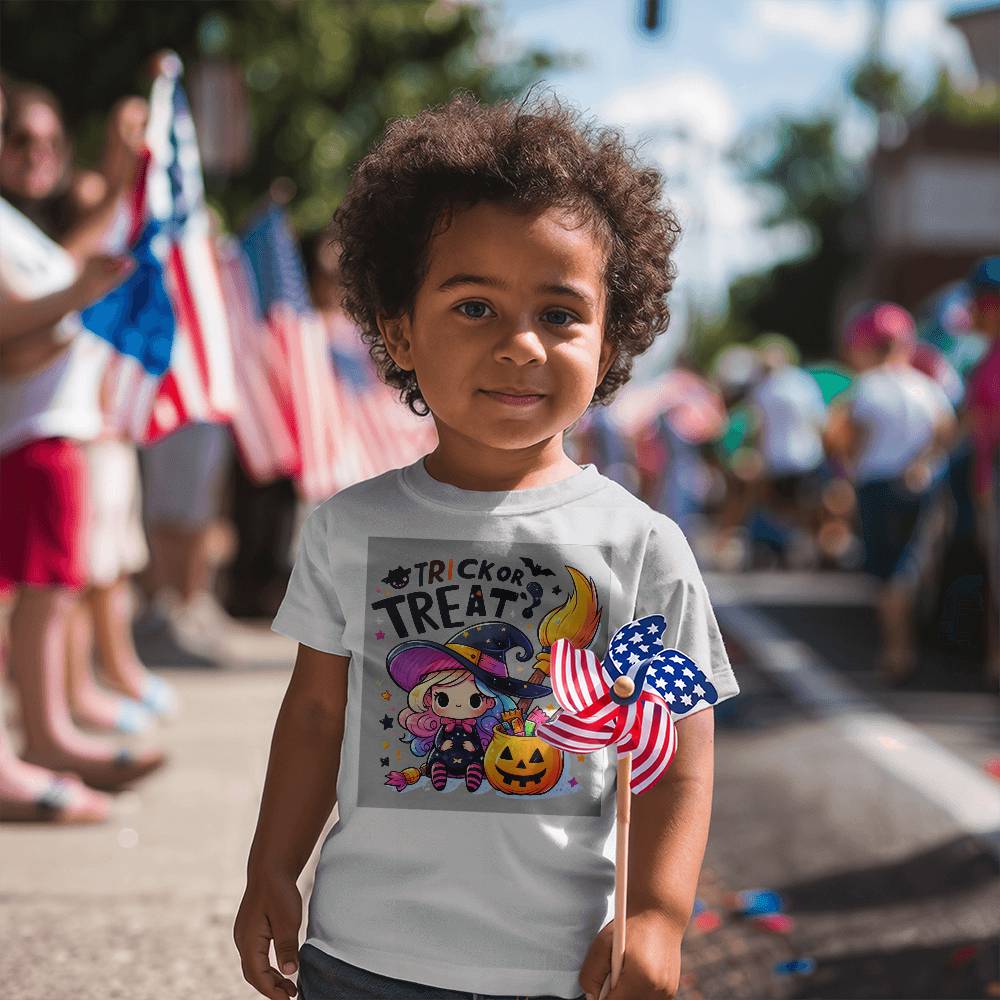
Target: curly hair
530 156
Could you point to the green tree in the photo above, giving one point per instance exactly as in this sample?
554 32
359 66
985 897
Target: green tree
818 189
323 77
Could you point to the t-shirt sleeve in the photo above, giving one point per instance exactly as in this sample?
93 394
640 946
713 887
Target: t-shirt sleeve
671 584
311 610
861 398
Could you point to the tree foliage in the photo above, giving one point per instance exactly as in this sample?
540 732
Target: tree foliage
323 76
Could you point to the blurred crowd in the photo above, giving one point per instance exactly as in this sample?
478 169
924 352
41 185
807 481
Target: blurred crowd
885 460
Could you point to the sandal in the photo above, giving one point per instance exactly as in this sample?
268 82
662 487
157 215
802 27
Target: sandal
159 697
65 800
112 775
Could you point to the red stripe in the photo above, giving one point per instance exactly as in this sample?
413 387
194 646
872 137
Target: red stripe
188 314
139 195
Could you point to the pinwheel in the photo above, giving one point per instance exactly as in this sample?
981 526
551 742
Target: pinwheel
628 701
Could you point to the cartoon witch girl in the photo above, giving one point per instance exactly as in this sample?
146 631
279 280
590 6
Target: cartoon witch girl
457 692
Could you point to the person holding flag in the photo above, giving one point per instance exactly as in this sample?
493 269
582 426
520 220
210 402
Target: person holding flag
49 402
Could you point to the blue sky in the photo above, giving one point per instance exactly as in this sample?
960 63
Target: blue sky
720 65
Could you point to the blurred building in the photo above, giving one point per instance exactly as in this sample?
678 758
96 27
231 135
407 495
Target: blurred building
935 188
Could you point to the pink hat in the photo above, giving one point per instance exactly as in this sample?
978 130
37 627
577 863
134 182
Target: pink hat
880 325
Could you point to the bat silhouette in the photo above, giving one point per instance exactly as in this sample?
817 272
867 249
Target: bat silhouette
536 568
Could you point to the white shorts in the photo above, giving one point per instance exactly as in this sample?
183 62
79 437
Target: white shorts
116 542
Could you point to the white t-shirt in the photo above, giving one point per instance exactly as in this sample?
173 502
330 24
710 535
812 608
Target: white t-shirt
793 414
63 398
898 407
501 889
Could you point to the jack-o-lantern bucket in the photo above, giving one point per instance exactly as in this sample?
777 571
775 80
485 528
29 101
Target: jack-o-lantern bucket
521 765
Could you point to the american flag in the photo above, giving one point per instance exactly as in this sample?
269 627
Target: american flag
386 433
172 360
591 715
348 425
263 421
311 394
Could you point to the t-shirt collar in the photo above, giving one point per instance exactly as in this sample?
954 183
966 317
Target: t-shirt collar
420 483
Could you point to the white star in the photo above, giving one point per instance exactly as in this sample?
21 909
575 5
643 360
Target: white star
688 673
653 629
635 637
686 699
669 698
634 658
676 659
669 670
680 684
660 682
699 690
645 649
621 647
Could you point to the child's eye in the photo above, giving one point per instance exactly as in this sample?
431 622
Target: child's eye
566 319
442 699
475 306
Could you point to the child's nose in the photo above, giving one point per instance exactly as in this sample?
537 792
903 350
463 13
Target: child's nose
521 343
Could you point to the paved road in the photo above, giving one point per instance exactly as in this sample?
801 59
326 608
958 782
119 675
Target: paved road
890 896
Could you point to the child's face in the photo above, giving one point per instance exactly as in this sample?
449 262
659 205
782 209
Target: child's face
459 701
511 301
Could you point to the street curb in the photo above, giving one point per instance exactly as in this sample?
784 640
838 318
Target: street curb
970 798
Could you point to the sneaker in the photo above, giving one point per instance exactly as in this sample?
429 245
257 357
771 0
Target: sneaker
183 641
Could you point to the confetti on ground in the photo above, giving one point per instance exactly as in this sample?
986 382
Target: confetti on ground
707 921
776 922
961 956
699 905
802 966
757 902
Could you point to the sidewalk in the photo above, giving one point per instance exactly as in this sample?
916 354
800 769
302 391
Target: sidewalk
141 908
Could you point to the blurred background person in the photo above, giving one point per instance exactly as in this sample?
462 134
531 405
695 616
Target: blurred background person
49 403
891 431
983 408
789 417
184 476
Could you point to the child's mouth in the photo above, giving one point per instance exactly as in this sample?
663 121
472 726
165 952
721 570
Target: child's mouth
513 400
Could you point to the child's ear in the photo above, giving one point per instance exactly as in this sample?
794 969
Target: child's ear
396 336
608 354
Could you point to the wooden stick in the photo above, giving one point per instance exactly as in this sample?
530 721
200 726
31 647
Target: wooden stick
624 803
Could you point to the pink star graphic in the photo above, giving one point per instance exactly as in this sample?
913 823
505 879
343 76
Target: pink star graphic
380 634
573 782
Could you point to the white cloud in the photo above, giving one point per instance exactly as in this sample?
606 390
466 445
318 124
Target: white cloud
841 28
917 29
744 45
691 101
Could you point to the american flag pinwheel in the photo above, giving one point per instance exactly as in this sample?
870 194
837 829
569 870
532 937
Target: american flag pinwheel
628 700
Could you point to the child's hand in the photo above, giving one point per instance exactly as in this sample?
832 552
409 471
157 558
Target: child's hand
271 910
652 966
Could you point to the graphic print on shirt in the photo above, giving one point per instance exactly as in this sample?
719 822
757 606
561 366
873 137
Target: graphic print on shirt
455 679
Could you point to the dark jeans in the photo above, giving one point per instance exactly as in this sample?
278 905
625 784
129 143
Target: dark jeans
323 977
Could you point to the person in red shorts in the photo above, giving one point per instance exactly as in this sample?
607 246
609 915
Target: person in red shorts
49 401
